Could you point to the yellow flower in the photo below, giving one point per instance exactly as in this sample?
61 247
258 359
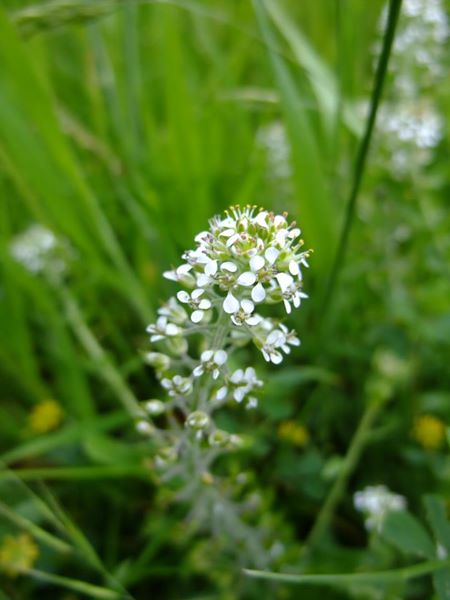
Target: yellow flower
45 416
17 554
294 433
429 431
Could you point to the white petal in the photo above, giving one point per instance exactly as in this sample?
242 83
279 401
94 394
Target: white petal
220 357
229 266
197 293
211 267
201 236
197 316
239 394
183 270
203 280
253 320
276 357
287 306
247 306
204 304
275 337
206 355
284 281
256 263
230 304
271 255
183 297
260 219
280 237
222 392
198 371
171 275
215 373
279 220
294 269
227 232
237 376
172 329
232 239
246 279
258 293
296 300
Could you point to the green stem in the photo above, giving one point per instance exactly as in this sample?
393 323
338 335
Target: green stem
37 532
354 452
402 574
361 158
93 591
77 473
105 367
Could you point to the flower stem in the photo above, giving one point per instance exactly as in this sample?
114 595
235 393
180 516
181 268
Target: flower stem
352 457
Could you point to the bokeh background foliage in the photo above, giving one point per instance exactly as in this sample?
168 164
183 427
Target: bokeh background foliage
123 127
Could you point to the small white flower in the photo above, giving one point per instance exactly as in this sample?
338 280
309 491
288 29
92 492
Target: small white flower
270 350
258 265
231 304
376 502
181 274
177 386
198 304
210 361
292 294
162 329
245 314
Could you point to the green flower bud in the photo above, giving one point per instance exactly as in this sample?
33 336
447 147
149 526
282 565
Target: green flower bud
161 362
166 456
219 438
198 420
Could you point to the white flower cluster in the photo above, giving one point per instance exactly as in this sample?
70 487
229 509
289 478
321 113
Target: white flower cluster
247 258
273 139
409 125
410 131
376 502
39 251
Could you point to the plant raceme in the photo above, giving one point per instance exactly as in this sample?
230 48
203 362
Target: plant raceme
246 259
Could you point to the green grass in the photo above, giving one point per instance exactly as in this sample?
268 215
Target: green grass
124 126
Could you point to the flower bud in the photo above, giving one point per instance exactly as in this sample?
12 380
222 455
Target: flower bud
154 407
219 438
144 427
166 456
161 362
198 420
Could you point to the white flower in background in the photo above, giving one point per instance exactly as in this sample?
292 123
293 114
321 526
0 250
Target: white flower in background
39 251
211 361
376 502
273 139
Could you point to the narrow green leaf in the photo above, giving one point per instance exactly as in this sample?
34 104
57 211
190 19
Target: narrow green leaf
93 591
316 210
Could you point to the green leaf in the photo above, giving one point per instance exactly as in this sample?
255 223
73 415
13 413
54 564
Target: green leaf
438 520
406 533
441 582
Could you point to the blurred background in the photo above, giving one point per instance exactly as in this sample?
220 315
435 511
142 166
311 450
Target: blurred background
125 126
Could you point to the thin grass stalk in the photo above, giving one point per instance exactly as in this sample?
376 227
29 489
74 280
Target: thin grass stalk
403 574
361 157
